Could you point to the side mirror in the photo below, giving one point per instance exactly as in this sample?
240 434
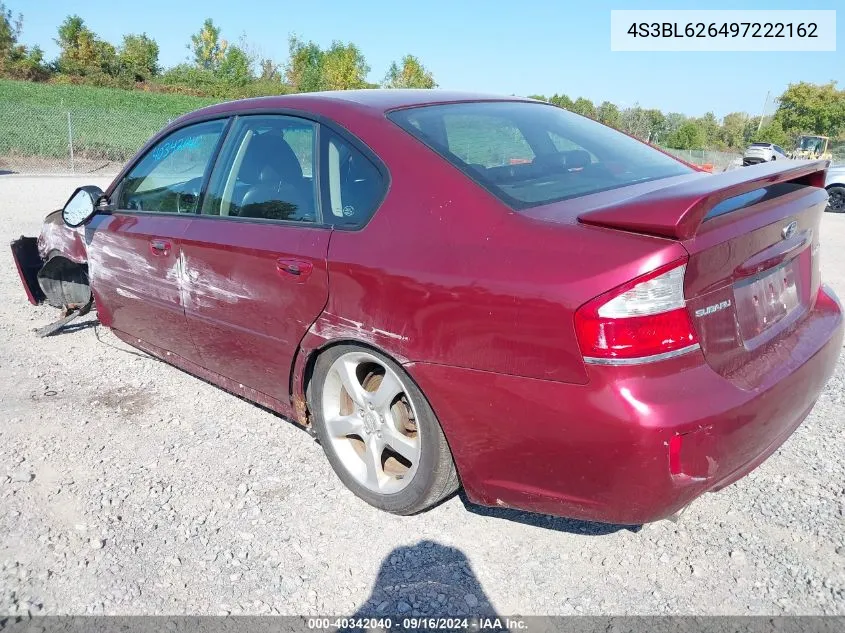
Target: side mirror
82 205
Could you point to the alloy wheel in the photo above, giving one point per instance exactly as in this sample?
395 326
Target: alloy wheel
371 422
836 202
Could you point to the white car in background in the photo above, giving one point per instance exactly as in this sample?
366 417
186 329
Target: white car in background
763 153
835 185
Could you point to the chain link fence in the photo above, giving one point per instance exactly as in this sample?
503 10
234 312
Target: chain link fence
37 139
720 161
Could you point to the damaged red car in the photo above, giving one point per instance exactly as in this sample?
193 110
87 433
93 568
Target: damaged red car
456 290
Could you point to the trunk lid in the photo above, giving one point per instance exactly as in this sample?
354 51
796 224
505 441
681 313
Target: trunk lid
753 273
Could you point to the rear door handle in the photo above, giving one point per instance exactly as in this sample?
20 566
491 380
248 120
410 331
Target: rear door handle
294 269
160 247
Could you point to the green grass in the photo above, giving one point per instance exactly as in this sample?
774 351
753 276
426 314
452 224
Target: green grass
107 123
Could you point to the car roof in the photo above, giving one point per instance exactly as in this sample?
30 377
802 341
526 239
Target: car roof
374 100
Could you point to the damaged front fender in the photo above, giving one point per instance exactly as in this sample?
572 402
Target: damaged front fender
59 281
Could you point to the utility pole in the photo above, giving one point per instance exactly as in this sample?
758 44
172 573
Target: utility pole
763 113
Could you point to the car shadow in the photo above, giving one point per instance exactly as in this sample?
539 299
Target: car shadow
545 521
427 579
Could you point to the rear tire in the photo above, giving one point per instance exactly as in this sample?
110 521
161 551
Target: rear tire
836 203
378 431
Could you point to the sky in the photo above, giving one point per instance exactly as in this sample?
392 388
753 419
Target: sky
496 46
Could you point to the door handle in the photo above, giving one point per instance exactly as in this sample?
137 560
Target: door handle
294 269
160 247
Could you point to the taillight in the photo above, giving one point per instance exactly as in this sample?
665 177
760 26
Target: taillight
640 321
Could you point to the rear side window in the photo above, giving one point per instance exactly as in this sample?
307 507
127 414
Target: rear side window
529 154
353 185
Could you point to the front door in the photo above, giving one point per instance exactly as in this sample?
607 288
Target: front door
255 275
134 254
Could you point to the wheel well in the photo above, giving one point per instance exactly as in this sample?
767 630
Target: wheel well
64 282
302 410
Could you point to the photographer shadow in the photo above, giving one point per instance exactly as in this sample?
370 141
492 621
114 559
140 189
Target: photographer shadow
425 580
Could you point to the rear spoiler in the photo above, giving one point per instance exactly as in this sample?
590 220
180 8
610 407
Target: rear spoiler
678 210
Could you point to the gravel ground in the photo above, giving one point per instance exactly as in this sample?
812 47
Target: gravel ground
130 487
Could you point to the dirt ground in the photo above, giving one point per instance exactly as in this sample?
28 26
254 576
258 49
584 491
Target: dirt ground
130 487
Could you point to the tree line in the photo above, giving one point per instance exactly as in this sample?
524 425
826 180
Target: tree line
803 108
222 69
216 67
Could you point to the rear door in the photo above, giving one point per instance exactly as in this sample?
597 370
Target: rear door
254 261
134 253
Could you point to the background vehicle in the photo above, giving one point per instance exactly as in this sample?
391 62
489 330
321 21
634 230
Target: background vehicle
835 185
763 152
593 331
809 147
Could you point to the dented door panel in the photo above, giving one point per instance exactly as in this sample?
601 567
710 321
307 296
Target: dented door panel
137 289
246 310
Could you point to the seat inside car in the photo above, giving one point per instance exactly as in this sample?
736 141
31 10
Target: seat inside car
276 188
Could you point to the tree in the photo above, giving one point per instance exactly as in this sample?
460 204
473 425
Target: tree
562 101
236 67
304 70
773 132
82 52
208 49
690 135
344 67
10 31
138 57
584 107
674 120
806 108
709 125
412 74
269 71
657 127
609 114
16 60
732 132
636 122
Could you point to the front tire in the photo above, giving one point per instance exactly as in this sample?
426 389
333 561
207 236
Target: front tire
378 431
836 203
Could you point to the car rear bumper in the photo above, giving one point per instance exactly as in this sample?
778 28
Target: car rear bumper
608 450
28 262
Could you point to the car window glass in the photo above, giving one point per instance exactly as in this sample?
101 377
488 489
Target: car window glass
169 177
487 141
563 144
355 186
528 154
266 171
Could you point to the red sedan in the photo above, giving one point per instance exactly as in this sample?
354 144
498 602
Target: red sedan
453 290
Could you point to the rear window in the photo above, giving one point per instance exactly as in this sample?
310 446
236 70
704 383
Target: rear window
529 154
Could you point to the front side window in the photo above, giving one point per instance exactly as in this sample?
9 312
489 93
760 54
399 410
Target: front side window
354 185
168 179
266 171
528 154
